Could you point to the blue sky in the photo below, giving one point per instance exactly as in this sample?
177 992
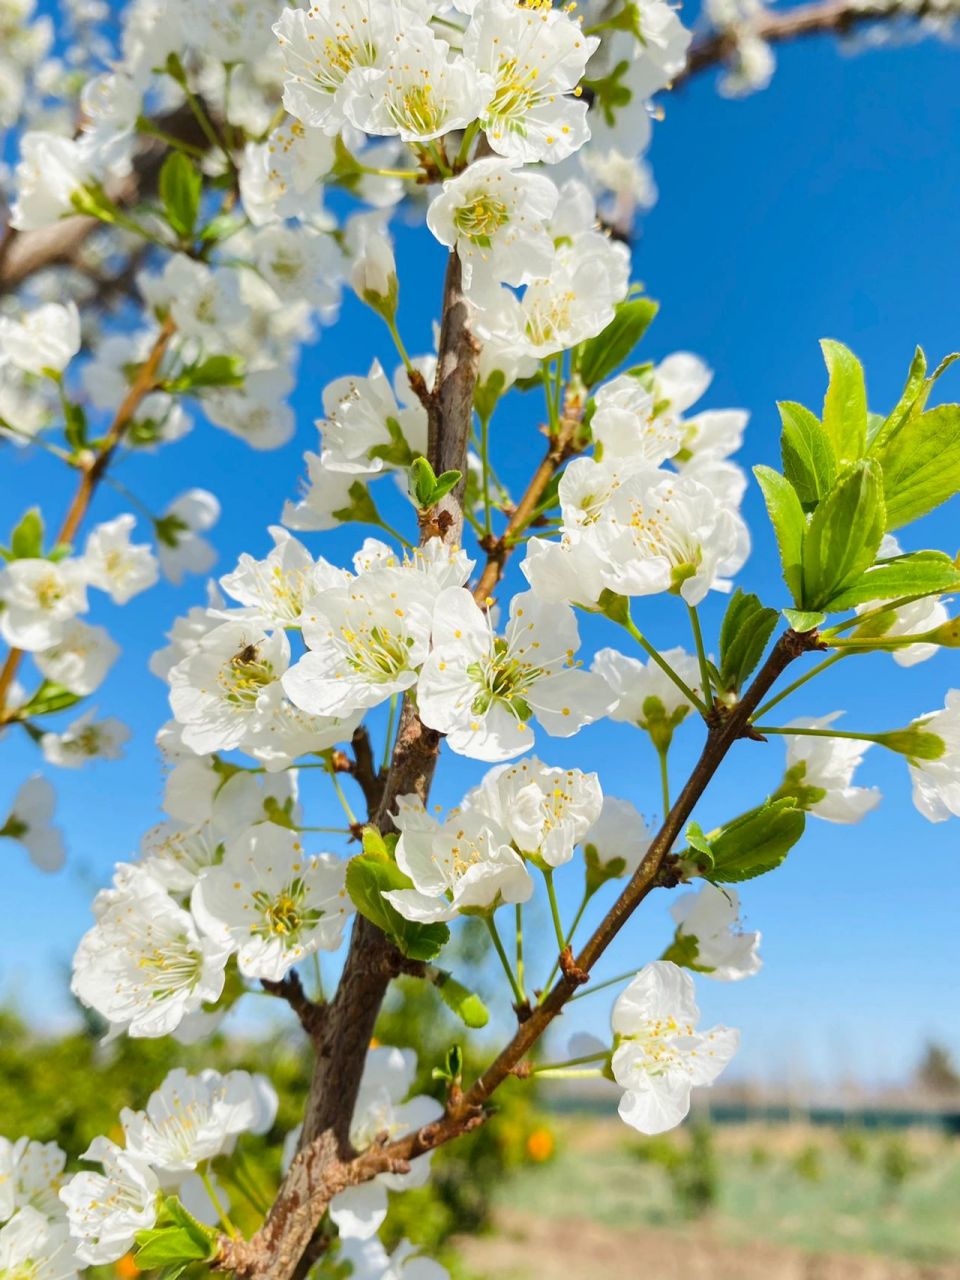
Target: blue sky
823 207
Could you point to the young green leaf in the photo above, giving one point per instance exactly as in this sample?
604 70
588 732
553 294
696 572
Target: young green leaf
845 404
844 535
802 620
917 575
180 186
26 541
912 400
756 842
744 633
921 464
369 876
599 356
789 525
809 462
215 371
468 1007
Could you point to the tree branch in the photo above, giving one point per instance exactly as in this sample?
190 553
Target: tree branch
92 471
326 1162
834 17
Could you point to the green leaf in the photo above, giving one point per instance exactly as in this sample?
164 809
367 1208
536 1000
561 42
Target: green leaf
369 876
802 620
26 541
809 462
221 227
916 575
756 842
180 185
74 425
845 404
426 487
215 371
599 356
789 525
166 1246
844 535
921 464
468 1007
744 633
50 697
912 399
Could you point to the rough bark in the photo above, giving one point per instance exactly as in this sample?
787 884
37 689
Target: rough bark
326 1162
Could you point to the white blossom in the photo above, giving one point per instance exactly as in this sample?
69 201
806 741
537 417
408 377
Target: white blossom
40 596
34 1247
30 822
31 1174
106 1210
820 772
547 811
536 57
619 836
191 1119
47 337
659 1055
144 966
80 659
272 902
50 171
365 642
483 690
114 564
229 685
275 589
364 425
464 861
646 696
181 548
85 739
936 783
495 214
709 917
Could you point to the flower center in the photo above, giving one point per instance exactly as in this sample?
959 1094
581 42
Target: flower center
548 318
244 676
170 967
284 914
479 219
503 678
416 108
378 655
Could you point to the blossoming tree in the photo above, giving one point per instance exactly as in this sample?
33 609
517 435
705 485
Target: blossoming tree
196 209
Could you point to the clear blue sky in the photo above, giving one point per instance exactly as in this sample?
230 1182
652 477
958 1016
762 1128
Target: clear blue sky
826 206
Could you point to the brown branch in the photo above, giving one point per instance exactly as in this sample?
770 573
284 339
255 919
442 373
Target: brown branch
93 469
561 448
290 988
835 17
24 253
326 1161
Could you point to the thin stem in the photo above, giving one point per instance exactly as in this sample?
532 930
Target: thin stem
395 533
665 666
572 1062
820 733
561 1073
389 173
663 752
600 986
391 725
519 921
466 143
791 688
701 656
888 606
398 343
587 895
132 498
485 466
345 803
498 946
554 907
318 995
211 1191
337 831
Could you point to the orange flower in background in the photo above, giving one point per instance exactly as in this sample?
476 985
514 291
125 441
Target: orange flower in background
540 1145
125 1268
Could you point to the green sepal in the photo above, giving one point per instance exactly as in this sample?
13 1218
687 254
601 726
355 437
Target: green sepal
362 509
803 620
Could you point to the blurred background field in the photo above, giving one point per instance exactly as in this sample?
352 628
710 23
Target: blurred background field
804 1183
